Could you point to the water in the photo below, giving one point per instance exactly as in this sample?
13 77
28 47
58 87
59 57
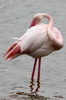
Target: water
15 82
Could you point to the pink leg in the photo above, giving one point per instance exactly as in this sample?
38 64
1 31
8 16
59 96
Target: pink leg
39 65
33 72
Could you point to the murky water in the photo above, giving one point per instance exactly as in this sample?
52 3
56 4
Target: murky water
15 83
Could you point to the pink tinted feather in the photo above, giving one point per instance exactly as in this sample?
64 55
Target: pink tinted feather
13 52
10 48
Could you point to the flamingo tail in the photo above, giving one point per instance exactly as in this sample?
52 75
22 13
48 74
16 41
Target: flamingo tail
10 48
12 51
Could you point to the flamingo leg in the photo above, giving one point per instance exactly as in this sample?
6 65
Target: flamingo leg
33 71
39 66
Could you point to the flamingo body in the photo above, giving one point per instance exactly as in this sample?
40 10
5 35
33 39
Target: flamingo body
38 41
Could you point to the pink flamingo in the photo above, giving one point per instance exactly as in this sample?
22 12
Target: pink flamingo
38 41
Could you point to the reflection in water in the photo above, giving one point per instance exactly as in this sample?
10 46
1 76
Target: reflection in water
28 96
33 95
32 90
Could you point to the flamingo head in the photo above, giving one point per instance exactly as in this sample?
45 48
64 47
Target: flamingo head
36 20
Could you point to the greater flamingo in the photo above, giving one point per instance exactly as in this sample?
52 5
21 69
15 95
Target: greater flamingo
38 41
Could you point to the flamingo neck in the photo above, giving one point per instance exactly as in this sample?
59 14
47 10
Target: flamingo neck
38 17
51 22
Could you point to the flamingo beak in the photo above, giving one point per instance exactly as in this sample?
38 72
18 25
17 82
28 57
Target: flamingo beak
33 23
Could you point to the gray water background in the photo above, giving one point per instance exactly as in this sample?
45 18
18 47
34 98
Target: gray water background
15 17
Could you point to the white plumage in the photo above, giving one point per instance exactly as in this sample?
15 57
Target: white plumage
38 41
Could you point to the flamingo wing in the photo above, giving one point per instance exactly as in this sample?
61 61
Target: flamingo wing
34 38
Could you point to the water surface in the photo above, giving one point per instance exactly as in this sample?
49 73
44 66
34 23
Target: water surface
15 82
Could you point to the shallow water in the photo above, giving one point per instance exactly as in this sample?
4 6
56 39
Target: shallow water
15 82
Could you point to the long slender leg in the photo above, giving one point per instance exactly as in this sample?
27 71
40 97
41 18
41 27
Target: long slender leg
39 66
33 71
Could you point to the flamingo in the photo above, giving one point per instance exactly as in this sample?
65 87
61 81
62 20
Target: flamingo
39 40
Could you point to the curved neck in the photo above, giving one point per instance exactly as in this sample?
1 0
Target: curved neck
38 17
44 15
50 25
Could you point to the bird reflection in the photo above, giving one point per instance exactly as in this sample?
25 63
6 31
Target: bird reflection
32 89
